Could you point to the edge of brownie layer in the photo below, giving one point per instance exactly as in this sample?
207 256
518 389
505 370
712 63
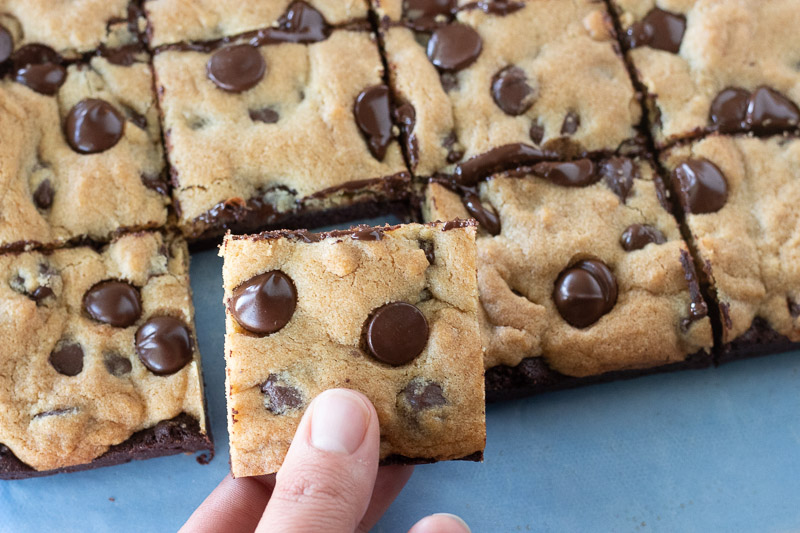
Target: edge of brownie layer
396 459
83 240
169 437
759 340
363 198
532 376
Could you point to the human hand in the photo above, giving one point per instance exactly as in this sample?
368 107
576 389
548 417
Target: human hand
329 481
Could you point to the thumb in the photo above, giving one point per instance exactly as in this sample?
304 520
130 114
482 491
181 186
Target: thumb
326 481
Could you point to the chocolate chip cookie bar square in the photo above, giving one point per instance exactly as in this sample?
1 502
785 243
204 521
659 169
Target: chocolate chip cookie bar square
582 273
292 122
177 21
740 197
81 157
715 65
482 86
390 312
71 29
99 362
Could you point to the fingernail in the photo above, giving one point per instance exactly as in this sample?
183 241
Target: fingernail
457 519
338 421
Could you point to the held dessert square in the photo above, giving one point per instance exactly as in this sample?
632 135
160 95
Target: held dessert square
294 121
390 312
100 362
483 86
582 274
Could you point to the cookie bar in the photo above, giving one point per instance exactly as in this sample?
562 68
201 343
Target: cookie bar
81 157
176 21
715 65
487 85
740 197
71 28
292 122
582 273
100 362
390 312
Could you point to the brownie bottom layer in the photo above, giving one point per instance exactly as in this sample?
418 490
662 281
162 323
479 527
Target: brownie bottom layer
178 435
395 459
759 340
533 376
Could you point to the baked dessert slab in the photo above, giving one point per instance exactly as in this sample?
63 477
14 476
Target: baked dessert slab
740 196
473 96
582 273
714 65
388 311
284 123
100 364
81 158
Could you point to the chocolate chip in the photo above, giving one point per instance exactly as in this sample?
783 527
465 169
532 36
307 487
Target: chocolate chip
6 44
578 173
637 236
156 183
67 359
698 309
116 365
367 234
447 144
279 397
301 23
307 236
406 116
537 133
374 118
43 195
424 13
420 395
618 174
768 111
41 293
123 56
427 247
93 126
45 79
571 123
164 345
267 115
236 68
584 292
265 303
140 121
449 81
701 186
729 109
113 302
454 47
34 54
487 218
658 29
396 333
511 91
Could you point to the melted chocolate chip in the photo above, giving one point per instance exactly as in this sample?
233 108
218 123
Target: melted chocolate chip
447 144
41 293
93 126
571 123
236 68
279 397
265 303
164 345
579 173
423 14
34 54
537 133
729 109
768 111
123 56
511 91
406 116
454 47
300 24
116 365
584 292
374 118
698 309
113 302
637 236
43 195
45 78
6 44
658 29
267 115
67 359
427 247
156 183
307 236
496 159
396 333
701 186
487 218
618 174
367 234
421 395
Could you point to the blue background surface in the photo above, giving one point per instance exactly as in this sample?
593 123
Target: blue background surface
710 450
